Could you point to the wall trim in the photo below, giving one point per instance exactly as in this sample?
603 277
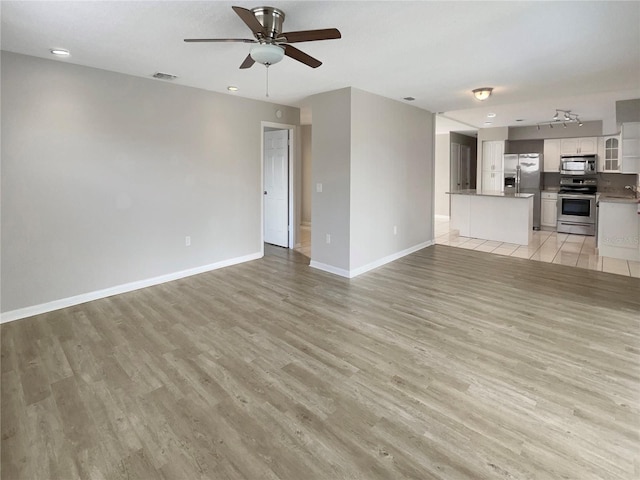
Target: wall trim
370 266
329 268
118 289
390 258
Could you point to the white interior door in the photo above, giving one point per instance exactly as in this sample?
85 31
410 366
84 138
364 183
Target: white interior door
464 172
454 176
276 187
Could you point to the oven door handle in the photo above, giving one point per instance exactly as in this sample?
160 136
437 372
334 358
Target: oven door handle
571 195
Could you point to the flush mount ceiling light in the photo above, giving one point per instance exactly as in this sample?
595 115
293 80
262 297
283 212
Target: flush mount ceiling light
491 115
267 54
60 52
231 88
482 93
567 118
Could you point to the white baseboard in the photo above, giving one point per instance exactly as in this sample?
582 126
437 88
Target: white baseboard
370 266
118 289
330 268
389 258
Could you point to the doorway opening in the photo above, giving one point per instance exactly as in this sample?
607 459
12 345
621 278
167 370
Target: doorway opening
278 219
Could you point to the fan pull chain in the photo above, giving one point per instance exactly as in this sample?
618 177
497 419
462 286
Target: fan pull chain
267 65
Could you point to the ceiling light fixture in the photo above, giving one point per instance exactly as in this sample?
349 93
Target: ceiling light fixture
491 115
231 88
60 52
482 93
567 117
267 53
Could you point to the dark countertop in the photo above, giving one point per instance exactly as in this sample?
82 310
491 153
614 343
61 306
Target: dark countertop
611 198
477 193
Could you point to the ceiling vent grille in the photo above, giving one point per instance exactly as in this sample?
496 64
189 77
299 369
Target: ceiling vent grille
164 76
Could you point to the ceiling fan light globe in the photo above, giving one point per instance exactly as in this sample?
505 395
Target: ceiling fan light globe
482 93
267 54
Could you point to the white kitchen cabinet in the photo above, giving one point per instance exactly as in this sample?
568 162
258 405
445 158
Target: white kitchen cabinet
492 181
492 166
549 209
609 154
619 230
551 156
579 146
630 148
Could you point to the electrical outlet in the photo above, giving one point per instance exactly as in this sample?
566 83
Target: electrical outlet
328 238
395 229
319 188
187 241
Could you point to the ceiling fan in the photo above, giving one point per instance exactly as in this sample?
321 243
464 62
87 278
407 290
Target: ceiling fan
271 43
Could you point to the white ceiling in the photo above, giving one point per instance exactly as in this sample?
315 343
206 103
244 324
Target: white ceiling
538 56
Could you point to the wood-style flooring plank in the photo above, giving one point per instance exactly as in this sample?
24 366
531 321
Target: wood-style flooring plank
445 364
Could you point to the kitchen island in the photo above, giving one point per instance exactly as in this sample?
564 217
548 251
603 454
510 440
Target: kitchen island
619 227
502 217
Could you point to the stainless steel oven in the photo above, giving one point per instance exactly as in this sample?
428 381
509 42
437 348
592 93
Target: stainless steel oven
577 205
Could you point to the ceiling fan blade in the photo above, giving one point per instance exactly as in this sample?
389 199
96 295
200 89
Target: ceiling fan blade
300 56
250 19
243 40
311 35
248 62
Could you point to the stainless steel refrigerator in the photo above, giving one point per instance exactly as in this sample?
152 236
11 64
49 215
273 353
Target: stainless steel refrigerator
522 175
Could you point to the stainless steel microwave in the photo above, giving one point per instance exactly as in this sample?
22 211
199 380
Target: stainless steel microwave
578 164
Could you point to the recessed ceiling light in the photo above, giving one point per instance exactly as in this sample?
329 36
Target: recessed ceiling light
231 88
488 123
491 115
60 52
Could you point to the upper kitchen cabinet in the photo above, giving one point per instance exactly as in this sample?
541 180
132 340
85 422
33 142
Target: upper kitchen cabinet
609 154
579 146
551 157
630 148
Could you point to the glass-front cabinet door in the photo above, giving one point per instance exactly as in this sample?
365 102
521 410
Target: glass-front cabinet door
611 159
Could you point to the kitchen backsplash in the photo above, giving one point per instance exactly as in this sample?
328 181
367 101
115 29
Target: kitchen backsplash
607 182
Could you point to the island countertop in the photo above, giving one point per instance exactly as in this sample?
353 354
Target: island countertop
490 194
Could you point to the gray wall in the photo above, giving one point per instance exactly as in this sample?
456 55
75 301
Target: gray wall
391 177
588 129
104 174
331 151
307 173
628 110
374 158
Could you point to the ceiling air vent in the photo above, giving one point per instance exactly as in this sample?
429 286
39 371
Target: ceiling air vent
164 76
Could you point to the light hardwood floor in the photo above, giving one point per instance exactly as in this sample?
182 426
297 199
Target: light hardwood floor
546 246
446 364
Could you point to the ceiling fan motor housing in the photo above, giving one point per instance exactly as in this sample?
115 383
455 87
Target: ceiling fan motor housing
271 19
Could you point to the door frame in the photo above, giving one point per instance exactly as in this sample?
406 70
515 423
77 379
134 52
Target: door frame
293 204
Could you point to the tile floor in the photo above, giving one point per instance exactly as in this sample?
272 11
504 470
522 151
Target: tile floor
565 249
573 250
